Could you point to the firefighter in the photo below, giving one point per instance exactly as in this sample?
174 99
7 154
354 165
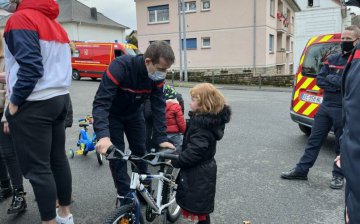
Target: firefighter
350 140
118 106
329 113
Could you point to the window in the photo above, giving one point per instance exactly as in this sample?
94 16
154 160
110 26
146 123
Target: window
190 6
190 44
205 4
272 8
158 14
150 42
76 53
313 3
118 53
271 43
315 57
205 42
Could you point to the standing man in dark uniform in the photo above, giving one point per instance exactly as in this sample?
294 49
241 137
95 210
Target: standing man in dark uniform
350 140
329 113
118 106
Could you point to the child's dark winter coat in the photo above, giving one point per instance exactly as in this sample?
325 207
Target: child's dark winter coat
197 177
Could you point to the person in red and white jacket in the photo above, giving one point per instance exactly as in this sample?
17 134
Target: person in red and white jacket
175 122
38 76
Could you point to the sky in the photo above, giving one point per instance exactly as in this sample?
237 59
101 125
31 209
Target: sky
121 11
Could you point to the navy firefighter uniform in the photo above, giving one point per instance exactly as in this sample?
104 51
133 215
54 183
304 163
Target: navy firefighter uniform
118 110
350 140
329 114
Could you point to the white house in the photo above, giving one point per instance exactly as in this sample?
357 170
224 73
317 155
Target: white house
83 23
318 17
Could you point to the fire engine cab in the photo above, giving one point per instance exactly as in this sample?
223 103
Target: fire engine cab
91 59
307 96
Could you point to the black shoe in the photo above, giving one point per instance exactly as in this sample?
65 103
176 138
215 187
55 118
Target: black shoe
5 192
293 175
18 203
337 182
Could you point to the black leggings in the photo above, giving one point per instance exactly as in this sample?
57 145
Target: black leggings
38 131
9 165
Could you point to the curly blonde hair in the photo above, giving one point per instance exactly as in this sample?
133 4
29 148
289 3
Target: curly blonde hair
209 99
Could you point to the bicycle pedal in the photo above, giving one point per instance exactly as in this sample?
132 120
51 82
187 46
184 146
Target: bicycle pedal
150 216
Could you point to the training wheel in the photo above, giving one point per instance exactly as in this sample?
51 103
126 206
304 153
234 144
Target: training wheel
71 153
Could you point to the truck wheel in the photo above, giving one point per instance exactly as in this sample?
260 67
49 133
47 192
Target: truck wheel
94 79
75 75
305 129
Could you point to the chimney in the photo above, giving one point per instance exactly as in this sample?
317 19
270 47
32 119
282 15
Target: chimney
93 12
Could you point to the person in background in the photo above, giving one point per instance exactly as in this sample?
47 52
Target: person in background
175 122
350 139
38 74
150 132
330 112
11 179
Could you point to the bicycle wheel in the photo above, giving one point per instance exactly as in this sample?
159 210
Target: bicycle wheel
71 153
169 193
124 215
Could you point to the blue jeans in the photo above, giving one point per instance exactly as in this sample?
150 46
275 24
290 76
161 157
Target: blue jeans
325 118
176 139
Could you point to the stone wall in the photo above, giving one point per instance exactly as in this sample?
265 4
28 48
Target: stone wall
269 76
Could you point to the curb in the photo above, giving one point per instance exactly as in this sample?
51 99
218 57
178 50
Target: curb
233 87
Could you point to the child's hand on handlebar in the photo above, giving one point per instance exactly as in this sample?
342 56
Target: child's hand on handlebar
102 145
167 145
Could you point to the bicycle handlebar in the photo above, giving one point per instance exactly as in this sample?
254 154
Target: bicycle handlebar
168 154
114 153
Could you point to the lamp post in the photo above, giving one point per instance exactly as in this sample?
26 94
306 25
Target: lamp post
182 41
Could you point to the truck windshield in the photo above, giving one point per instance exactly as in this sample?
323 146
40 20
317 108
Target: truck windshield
316 55
130 51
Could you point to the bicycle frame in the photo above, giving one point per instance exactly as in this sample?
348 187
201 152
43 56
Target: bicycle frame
136 185
156 207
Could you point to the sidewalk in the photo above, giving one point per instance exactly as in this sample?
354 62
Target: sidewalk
233 87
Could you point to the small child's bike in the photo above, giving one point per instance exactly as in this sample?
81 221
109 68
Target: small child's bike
85 142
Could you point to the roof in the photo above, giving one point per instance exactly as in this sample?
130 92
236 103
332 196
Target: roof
293 4
77 12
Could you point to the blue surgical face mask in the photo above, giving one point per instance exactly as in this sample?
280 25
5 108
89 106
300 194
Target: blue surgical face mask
8 5
157 75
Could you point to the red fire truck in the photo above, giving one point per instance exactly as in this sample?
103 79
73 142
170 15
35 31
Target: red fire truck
91 59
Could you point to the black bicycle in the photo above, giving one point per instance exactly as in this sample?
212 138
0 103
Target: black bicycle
163 205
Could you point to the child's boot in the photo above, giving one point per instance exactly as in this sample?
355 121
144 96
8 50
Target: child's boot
18 203
207 221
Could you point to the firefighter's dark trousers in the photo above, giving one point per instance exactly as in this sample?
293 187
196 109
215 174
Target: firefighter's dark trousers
325 118
133 126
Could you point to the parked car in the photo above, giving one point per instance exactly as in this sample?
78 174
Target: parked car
307 96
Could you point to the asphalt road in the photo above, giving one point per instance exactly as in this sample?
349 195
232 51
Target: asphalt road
260 142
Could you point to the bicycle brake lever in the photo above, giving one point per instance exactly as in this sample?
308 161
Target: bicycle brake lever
111 154
154 161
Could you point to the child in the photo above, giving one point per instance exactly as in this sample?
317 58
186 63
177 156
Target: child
175 122
197 177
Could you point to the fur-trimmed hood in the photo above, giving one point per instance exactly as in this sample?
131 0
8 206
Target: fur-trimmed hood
213 122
